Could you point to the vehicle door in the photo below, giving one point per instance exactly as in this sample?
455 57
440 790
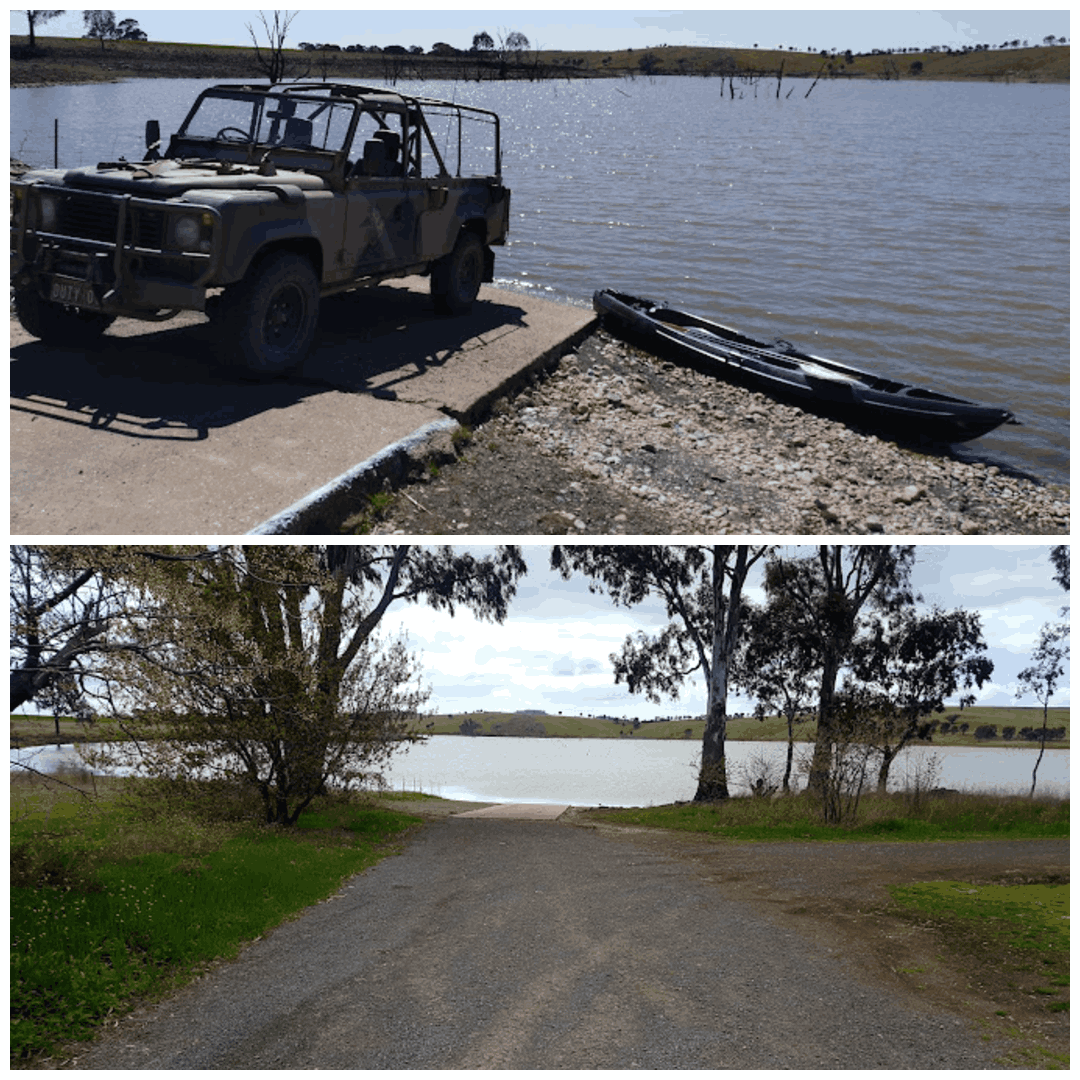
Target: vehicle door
384 204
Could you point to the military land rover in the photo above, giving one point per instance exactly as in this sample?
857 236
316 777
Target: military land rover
268 198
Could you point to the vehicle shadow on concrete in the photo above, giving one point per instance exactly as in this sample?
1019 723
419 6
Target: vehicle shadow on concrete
163 382
380 340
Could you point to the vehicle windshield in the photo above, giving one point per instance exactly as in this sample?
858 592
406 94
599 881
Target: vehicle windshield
271 120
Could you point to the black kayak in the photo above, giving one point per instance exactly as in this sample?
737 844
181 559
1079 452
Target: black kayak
781 370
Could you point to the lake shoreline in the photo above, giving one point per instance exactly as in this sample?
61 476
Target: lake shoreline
33 741
73 61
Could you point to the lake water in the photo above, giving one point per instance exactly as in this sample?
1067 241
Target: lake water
623 772
917 229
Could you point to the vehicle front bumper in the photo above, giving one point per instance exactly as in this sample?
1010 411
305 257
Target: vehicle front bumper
114 260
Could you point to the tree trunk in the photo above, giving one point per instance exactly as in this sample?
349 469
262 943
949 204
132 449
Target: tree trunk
790 754
887 758
821 763
1042 750
712 780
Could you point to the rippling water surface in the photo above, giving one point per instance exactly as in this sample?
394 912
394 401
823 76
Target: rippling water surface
917 229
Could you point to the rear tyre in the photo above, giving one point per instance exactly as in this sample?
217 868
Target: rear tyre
267 322
57 324
455 279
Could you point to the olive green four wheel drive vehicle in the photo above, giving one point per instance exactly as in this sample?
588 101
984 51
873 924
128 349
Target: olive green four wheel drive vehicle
267 198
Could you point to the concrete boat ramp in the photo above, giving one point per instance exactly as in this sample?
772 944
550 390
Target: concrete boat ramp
516 812
147 435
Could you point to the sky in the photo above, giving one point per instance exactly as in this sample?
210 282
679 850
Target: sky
553 651
608 29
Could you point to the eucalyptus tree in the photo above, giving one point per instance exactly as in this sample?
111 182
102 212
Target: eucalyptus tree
35 18
1040 678
830 591
913 661
1050 656
701 586
777 664
261 664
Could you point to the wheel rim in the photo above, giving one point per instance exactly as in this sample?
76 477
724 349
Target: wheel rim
468 278
285 315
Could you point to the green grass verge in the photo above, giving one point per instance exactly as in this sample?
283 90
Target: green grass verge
891 817
1034 918
1023 928
107 908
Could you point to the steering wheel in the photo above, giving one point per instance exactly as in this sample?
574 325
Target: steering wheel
244 135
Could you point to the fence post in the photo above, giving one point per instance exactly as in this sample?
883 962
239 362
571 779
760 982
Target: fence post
56 143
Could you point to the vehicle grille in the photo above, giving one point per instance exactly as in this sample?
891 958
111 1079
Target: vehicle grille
91 217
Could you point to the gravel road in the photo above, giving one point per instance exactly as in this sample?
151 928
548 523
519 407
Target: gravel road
523 945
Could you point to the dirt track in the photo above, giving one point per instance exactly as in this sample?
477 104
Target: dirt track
519 945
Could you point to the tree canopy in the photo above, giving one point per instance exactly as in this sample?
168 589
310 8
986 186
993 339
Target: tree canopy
701 586
913 661
35 18
259 665
830 592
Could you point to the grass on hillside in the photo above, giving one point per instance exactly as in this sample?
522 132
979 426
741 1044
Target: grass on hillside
76 60
890 817
108 907
40 730
771 729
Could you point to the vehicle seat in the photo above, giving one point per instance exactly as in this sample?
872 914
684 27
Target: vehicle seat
297 133
374 161
392 141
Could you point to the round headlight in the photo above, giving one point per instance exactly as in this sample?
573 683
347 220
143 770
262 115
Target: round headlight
49 212
186 232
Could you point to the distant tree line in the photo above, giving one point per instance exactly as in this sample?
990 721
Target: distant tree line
102 25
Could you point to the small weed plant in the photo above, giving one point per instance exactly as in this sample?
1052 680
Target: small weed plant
109 905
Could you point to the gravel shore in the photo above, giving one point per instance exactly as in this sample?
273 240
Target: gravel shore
617 441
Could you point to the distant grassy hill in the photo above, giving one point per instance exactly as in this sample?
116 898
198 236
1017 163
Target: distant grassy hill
59 60
770 729
40 730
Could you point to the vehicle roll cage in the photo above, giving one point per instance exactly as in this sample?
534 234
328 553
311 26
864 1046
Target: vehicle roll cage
380 103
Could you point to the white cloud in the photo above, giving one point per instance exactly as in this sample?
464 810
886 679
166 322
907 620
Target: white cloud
554 650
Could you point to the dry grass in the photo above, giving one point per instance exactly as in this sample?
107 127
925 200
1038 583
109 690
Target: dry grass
77 60
771 729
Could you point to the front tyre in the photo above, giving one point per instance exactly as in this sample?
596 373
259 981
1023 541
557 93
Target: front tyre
57 324
267 322
455 279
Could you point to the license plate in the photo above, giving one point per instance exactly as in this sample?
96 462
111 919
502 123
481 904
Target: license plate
74 293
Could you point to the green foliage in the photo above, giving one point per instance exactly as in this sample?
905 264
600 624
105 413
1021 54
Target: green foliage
889 817
107 907
1031 918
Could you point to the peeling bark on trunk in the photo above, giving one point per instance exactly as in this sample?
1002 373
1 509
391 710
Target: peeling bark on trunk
712 779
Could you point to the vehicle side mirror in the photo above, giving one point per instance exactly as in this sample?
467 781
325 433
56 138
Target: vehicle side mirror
153 139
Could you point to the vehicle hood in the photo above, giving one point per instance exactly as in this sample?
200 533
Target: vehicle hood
165 179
